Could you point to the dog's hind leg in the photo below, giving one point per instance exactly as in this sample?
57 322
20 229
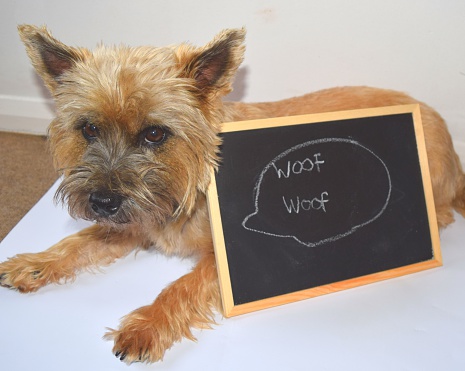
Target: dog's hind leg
448 181
90 248
459 200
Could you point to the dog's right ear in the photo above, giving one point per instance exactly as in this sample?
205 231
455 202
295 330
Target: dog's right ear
213 66
50 57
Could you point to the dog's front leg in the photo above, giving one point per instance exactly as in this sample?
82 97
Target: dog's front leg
146 333
92 247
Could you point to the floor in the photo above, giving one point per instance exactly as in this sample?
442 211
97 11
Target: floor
26 173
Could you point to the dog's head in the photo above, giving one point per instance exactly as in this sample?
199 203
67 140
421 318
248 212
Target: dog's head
136 129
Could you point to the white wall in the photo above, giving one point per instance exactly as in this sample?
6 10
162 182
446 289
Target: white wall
417 46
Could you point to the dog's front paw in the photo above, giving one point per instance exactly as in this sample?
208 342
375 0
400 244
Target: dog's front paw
144 337
25 273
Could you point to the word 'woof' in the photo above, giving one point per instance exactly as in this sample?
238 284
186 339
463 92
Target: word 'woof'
297 204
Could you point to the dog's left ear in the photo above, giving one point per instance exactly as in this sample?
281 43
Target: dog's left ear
214 66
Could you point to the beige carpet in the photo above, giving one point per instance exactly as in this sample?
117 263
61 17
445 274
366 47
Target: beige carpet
26 173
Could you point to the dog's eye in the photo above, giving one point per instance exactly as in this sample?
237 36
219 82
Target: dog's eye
154 135
89 131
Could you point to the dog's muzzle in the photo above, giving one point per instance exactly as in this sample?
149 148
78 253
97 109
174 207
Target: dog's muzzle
105 204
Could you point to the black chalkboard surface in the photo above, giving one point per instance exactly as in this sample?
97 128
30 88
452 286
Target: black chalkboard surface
307 205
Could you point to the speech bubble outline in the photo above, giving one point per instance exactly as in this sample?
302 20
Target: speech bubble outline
328 239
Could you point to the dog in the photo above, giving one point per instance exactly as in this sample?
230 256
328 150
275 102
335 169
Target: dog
135 137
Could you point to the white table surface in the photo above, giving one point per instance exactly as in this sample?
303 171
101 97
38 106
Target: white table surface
416 322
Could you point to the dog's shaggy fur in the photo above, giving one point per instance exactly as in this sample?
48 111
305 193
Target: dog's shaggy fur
135 137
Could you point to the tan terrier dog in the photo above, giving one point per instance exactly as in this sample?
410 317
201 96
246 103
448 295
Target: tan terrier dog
135 137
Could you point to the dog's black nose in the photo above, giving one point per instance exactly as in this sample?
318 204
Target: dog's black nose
105 203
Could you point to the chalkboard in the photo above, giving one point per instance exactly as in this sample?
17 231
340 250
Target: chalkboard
308 205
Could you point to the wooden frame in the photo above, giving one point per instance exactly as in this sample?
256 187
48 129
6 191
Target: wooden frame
231 308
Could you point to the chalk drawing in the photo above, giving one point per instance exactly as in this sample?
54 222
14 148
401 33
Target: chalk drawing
310 165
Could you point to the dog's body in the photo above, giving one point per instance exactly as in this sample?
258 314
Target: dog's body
135 137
